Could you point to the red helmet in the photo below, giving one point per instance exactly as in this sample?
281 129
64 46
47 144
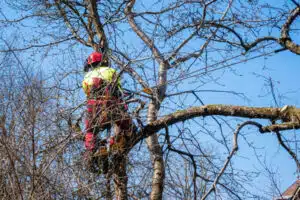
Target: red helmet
94 57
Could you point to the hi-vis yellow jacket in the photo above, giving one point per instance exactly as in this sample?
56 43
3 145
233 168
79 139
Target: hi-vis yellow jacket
107 74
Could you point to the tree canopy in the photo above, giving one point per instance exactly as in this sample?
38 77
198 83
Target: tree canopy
198 72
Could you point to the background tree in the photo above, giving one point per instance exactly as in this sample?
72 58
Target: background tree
169 53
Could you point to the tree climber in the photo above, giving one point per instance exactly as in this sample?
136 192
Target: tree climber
105 108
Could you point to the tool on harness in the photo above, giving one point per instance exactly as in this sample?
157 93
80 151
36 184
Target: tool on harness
114 145
139 93
148 91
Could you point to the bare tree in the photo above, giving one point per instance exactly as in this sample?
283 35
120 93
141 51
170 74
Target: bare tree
159 48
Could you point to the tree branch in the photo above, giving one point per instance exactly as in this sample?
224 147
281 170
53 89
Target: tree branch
68 23
130 70
292 154
87 28
38 45
285 39
203 47
289 116
128 11
98 26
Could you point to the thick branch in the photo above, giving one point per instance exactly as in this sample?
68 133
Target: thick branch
288 114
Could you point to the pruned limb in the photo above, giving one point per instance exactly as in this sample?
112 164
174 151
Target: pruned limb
280 127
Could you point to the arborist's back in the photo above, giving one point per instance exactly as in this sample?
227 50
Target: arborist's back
97 81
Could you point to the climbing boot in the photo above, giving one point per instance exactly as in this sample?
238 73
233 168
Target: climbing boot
90 162
102 157
104 164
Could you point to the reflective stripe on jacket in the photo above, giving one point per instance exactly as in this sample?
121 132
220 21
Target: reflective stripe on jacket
105 73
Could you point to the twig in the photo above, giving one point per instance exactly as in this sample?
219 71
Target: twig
233 151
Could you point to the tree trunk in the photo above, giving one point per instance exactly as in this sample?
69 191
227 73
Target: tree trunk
108 192
156 157
120 177
119 163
